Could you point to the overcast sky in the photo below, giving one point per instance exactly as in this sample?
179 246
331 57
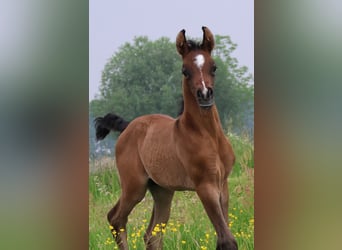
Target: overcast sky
112 23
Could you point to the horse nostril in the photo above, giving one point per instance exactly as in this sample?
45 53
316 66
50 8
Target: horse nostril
205 94
210 92
199 94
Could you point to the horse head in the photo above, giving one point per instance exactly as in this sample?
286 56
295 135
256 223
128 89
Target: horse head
198 66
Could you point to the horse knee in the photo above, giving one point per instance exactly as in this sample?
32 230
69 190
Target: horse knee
110 218
111 215
114 220
117 222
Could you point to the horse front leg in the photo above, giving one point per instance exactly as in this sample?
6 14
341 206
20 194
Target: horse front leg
210 196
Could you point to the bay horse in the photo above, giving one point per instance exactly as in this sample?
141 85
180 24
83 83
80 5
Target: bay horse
163 155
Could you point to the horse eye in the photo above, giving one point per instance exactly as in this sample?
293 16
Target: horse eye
213 70
185 72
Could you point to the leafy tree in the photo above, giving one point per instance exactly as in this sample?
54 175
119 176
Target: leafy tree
141 78
234 89
144 77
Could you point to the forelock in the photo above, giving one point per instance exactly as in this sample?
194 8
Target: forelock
194 45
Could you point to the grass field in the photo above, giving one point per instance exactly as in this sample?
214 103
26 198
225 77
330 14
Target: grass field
189 227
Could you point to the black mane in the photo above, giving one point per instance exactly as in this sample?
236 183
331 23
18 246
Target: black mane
194 45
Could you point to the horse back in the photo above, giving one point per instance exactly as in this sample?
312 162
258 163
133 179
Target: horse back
135 133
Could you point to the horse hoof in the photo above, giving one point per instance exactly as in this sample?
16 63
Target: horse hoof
227 246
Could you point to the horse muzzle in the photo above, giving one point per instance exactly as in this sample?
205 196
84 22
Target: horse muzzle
205 98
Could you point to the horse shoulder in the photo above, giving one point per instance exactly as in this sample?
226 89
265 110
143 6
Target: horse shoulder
156 145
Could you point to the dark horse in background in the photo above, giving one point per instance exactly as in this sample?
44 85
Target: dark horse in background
164 155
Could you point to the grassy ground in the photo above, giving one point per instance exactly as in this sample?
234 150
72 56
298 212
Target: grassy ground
189 227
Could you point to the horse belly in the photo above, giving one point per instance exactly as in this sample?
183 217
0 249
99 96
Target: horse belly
163 166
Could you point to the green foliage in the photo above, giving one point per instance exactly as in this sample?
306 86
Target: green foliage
189 226
244 153
144 77
235 91
141 78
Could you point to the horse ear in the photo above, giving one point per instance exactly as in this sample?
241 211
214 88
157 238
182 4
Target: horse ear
181 43
208 42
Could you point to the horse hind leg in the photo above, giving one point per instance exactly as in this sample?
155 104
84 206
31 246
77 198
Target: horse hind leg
160 215
132 194
112 218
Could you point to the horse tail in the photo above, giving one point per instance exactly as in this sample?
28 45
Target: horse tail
104 125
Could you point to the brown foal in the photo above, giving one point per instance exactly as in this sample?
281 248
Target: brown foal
164 155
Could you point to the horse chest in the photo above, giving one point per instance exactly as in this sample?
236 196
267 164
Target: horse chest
210 166
207 158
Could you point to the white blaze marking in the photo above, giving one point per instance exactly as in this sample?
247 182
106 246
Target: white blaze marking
199 61
205 90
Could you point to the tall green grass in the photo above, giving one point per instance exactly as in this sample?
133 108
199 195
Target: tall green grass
189 227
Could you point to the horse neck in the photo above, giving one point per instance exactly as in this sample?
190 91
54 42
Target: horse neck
196 118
